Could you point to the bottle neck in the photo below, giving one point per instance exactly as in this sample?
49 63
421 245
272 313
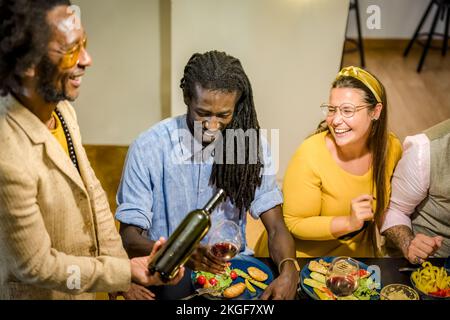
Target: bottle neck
218 197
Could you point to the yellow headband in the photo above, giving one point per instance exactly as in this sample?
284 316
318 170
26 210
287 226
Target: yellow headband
365 77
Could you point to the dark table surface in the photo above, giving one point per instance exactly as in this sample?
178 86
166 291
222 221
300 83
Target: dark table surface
388 271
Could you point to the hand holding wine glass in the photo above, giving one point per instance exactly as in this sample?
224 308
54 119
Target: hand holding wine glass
343 276
226 240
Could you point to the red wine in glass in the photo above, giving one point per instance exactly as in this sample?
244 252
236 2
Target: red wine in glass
342 286
224 250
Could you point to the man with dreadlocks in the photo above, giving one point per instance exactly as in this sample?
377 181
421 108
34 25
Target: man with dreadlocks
58 237
177 165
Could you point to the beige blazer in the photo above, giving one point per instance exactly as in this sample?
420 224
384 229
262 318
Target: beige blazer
57 234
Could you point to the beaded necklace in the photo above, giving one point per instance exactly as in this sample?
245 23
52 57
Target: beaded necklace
70 146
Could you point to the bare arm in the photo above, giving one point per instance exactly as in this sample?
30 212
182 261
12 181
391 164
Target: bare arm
134 242
415 248
400 236
281 246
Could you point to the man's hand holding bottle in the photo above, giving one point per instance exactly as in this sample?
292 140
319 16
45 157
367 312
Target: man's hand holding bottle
141 275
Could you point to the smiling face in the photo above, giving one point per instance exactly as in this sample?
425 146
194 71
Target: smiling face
58 80
213 108
354 130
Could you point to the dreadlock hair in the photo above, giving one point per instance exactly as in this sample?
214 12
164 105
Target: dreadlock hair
218 71
24 36
377 141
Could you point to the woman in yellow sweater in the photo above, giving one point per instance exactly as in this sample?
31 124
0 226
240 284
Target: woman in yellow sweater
337 184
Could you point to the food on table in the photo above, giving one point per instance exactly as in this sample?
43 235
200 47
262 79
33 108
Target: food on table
366 287
244 275
314 283
324 295
324 263
317 276
397 295
249 286
216 281
213 281
317 267
235 290
399 292
222 282
432 280
363 273
257 274
201 280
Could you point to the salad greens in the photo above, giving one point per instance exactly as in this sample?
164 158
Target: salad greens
223 280
366 289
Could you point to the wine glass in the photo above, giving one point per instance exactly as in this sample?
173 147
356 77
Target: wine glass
225 240
343 276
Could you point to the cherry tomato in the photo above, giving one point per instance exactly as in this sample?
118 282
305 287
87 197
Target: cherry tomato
213 281
233 275
201 280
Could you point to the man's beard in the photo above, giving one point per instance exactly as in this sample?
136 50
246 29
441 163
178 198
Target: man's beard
47 72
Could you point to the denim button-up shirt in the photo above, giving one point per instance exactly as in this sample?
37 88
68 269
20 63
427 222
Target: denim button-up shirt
162 183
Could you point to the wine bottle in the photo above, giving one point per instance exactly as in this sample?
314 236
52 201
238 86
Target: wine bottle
180 245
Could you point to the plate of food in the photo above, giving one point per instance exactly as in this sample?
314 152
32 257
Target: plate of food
245 279
313 282
432 283
398 291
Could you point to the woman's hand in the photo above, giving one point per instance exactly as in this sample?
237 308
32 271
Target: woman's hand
361 210
141 275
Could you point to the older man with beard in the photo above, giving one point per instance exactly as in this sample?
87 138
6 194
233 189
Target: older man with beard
57 234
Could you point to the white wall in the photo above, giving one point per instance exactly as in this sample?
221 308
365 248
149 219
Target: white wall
290 49
125 91
399 19
121 93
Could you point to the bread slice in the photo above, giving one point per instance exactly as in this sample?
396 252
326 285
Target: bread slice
257 274
317 267
235 290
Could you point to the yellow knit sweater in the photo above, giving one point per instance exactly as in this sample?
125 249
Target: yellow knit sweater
316 190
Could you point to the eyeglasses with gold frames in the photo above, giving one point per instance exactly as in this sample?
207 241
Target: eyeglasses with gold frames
347 110
71 57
